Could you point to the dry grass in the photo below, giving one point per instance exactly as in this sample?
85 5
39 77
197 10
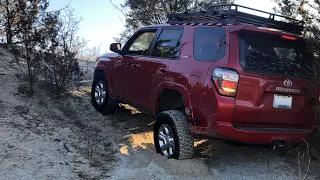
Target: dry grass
1 104
304 162
23 89
318 118
21 109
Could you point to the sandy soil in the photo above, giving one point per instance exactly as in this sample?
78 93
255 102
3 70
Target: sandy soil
45 138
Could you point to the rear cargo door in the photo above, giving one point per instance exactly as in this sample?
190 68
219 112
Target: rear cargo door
272 92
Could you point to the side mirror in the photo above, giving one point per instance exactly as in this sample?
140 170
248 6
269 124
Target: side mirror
115 47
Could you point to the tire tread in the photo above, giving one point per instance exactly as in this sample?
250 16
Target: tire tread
185 139
111 105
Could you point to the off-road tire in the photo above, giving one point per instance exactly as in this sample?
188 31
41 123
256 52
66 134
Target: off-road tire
184 142
110 105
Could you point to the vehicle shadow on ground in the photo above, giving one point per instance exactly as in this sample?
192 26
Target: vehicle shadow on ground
132 120
137 123
217 155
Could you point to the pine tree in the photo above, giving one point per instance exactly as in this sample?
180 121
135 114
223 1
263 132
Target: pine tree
140 13
27 33
9 18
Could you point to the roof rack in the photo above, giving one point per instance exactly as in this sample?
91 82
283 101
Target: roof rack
230 14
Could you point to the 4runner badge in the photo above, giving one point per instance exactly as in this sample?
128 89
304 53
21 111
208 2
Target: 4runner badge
287 83
289 90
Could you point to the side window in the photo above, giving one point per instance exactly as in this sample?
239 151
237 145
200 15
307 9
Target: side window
168 44
209 44
141 44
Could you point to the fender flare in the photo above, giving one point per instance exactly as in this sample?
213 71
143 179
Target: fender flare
172 86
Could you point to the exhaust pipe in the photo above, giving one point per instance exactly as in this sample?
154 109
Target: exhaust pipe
278 145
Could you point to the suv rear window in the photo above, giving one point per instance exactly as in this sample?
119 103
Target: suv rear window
168 44
272 54
209 43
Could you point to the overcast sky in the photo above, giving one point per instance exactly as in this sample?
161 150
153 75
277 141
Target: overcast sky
101 22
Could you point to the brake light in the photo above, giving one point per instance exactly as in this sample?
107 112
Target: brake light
226 81
288 37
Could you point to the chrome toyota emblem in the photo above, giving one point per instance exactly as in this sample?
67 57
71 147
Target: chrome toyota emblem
287 83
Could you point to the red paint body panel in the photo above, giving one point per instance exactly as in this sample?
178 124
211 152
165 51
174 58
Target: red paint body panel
140 80
153 72
228 131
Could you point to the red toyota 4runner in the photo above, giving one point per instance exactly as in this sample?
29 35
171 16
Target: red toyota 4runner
222 73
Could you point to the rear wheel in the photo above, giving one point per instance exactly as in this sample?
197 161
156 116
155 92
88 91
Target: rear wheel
100 98
172 136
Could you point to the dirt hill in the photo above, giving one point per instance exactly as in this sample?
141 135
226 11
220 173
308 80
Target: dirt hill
43 137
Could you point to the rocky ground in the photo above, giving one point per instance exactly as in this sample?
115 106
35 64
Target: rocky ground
42 137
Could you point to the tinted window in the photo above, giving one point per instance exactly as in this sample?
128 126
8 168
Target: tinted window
209 44
275 55
168 44
141 44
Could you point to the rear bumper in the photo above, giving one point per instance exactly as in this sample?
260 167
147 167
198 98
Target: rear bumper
263 136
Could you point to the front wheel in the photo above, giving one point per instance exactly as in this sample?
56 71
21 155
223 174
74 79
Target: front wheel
172 136
100 98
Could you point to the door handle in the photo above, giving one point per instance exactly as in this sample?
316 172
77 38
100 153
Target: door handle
163 70
136 65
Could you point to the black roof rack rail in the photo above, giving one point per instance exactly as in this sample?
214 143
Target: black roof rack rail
230 14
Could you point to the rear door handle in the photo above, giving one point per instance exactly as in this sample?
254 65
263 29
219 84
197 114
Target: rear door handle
163 70
136 65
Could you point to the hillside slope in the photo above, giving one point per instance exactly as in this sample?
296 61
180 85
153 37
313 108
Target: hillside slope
42 137
46 138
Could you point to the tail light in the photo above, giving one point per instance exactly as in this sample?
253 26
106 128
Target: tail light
288 37
226 81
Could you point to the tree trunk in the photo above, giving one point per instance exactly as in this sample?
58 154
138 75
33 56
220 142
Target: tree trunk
29 69
8 24
9 36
